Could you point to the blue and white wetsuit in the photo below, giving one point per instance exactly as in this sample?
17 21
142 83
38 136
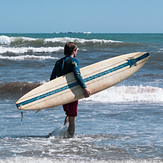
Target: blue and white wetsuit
66 65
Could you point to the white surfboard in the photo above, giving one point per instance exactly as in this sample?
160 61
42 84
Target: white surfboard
97 77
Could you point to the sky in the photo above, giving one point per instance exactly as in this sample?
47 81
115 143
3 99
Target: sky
98 16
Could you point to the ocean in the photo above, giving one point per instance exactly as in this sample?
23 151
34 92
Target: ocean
121 124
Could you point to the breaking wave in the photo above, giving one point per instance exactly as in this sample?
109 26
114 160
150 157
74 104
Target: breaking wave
22 41
27 57
113 94
20 50
129 94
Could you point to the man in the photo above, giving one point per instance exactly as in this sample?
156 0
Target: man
63 66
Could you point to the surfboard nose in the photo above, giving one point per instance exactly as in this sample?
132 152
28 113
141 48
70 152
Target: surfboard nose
133 61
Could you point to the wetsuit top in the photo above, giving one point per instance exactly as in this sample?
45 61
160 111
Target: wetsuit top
66 65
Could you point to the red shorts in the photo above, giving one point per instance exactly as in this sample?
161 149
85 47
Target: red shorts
71 109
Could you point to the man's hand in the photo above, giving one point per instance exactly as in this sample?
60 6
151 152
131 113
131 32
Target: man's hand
87 93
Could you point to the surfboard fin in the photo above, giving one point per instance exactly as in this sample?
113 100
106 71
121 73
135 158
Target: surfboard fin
37 111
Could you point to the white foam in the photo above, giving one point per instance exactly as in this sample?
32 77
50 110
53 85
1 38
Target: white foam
161 49
20 50
60 131
129 94
26 38
27 57
19 159
78 40
5 40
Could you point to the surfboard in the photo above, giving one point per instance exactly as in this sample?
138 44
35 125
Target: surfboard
97 77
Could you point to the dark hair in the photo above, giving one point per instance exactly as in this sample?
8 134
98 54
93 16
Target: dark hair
69 48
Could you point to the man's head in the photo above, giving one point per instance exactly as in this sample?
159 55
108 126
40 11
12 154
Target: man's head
70 49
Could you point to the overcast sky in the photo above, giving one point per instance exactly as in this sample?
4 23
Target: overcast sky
101 16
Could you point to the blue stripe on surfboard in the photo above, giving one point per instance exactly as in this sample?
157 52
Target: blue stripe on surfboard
129 62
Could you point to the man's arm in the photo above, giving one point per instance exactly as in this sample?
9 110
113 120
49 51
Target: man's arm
79 78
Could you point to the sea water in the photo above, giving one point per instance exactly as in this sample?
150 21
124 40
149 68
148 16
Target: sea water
121 124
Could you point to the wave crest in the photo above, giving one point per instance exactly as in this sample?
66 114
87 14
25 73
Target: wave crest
77 40
129 94
24 41
27 57
20 50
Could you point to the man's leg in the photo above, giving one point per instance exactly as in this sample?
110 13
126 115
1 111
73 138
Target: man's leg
71 128
71 112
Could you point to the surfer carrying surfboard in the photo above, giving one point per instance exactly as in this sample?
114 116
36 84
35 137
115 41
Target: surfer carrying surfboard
66 65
